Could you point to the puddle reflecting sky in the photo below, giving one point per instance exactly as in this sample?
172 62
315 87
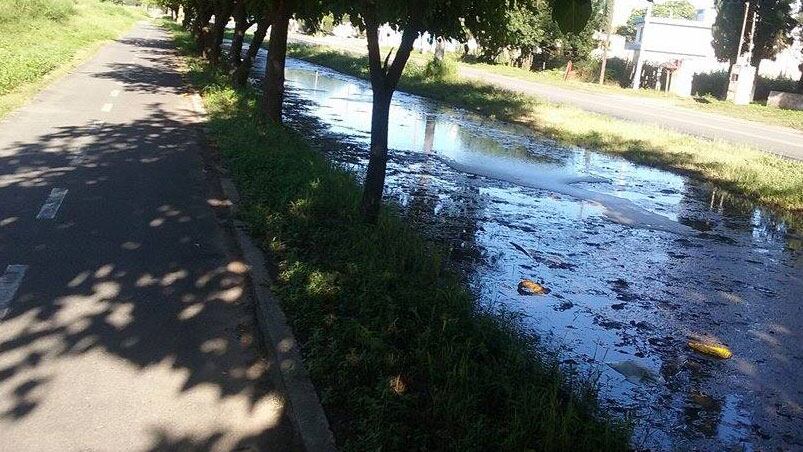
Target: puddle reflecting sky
638 260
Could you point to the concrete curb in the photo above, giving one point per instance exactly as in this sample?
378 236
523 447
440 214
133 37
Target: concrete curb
305 410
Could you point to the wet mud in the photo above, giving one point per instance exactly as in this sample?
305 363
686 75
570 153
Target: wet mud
638 261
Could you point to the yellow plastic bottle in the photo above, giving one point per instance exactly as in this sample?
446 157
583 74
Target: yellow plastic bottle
717 350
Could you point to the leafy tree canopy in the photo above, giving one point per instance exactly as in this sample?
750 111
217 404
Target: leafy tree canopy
525 26
773 29
678 9
532 27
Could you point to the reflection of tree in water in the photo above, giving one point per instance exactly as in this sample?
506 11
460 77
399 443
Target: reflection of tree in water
704 207
702 413
472 134
445 216
507 147
429 134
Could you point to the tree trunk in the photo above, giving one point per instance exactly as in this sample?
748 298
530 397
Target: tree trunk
383 84
273 91
187 20
200 28
378 156
240 75
800 82
207 38
222 16
440 49
240 25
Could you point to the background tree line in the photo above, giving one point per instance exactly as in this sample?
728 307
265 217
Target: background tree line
769 25
677 9
534 28
453 19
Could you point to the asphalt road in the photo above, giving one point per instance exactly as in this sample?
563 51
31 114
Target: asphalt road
782 141
126 320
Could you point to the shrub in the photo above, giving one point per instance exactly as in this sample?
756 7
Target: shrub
764 85
445 69
617 70
710 84
716 84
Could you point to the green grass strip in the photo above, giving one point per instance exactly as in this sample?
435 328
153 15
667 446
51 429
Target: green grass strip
43 39
401 355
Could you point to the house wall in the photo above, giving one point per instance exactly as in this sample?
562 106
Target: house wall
690 41
675 39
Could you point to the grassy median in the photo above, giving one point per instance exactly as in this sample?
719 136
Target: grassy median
752 112
401 355
43 39
762 177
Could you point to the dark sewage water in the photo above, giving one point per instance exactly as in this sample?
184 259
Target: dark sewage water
638 260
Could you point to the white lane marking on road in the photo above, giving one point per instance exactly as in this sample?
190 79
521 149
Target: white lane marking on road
9 283
79 155
107 108
52 204
114 93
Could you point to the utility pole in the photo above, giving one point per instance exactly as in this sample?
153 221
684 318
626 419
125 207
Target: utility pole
752 44
610 7
744 28
640 58
742 77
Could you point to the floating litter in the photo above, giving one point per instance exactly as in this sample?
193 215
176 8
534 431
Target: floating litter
716 350
530 287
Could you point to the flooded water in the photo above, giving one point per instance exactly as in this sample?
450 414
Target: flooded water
638 262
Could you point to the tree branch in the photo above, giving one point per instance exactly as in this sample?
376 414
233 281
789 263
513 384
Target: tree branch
385 67
402 55
372 33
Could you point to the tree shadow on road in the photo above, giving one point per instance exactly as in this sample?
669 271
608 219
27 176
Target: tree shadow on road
134 278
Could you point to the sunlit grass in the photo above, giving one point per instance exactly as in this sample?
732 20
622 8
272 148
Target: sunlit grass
399 352
762 177
40 39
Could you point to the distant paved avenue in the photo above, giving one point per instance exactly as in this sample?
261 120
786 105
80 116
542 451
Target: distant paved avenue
124 311
783 141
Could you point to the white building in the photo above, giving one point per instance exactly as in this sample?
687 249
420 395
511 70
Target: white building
687 45
684 45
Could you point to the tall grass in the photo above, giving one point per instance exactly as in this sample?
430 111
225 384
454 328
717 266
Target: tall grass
22 11
400 353
760 176
40 36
